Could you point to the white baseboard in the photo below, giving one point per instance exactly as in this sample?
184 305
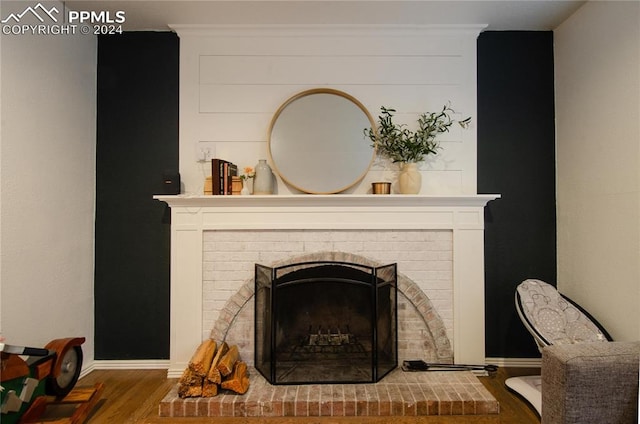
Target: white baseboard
137 364
515 362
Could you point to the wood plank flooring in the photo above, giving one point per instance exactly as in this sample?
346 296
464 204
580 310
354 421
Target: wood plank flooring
132 396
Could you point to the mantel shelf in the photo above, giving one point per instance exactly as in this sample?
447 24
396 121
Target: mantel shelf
329 200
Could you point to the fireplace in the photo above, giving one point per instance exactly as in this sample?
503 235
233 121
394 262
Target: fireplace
214 288
325 322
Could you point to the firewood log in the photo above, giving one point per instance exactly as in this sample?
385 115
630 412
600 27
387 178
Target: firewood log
238 381
190 378
228 361
209 389
185 391
200 362
214 375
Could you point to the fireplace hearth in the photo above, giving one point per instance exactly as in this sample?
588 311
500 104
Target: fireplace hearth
325 322
437 242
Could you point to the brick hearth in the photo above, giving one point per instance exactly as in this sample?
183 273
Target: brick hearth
400 393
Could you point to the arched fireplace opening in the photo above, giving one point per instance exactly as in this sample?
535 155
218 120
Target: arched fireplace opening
325 322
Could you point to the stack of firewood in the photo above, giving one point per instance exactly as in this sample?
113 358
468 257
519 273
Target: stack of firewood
214 366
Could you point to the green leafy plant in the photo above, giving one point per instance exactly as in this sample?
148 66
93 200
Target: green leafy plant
400 144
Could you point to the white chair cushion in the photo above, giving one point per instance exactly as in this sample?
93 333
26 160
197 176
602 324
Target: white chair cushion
553 317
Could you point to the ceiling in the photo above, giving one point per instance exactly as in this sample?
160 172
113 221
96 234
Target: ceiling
498 15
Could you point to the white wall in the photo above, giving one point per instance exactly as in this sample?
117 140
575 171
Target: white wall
233 79
597 60
48 188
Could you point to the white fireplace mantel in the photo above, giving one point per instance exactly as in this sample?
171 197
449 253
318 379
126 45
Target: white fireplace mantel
329 200
329 211
192 215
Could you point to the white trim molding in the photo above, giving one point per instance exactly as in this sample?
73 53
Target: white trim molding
318 30
515 362
138 364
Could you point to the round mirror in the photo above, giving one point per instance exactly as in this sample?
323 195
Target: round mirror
317 142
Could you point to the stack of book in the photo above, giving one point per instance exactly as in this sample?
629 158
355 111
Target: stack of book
222 173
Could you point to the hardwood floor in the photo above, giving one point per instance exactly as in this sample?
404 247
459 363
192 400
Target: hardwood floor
132 396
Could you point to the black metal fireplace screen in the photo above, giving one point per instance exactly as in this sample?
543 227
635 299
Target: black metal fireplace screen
325 322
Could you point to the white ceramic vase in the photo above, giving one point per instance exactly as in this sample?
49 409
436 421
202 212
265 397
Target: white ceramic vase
410 180
247 184
263 181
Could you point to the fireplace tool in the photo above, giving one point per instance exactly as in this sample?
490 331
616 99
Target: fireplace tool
420 365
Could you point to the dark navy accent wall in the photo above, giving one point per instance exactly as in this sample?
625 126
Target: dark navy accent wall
516 158
137 140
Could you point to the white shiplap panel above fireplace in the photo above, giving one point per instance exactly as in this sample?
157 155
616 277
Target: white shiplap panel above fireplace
233 78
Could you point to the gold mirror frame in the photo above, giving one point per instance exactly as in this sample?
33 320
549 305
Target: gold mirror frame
314 157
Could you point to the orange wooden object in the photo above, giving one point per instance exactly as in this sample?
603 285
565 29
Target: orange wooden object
35 411
86 399
43 369
13 366
61 346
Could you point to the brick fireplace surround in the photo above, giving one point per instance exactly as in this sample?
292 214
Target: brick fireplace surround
437 242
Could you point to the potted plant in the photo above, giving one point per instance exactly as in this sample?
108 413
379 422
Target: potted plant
246 177
402 145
